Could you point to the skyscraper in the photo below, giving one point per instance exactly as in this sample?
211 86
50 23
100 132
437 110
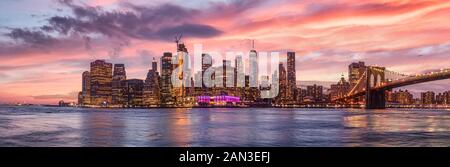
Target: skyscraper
152 86
101 78
291 77
403 97
428 97
355 71
119 75
206 63
85 98
282 93
166 82
315 92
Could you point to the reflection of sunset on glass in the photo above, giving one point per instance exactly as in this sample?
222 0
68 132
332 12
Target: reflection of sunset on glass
45 47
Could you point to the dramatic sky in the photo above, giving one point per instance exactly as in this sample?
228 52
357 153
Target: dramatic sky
45 45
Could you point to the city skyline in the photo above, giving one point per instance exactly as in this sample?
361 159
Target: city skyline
42 55
220 85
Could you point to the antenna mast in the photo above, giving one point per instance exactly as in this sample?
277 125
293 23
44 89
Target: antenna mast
253 44
177 40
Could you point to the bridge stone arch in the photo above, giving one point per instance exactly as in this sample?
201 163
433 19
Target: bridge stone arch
375 98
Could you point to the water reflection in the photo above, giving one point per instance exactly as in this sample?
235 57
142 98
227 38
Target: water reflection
102 129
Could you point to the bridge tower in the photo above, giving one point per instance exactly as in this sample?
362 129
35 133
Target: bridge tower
375 98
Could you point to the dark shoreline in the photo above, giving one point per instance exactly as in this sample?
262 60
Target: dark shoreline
226 107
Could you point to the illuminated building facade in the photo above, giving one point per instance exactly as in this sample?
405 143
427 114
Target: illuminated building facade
291 77
355 71
282 93
152 87
166 82
403 97
428 97
314 93
340 89
133 93
84 98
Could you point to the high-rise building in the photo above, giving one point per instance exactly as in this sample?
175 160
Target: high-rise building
390 96
152 87
282 93
440 98
340 89
239 72
119 75
291 77
239 77
133 93
166 82
403 97
101 78
250 93
355 71
428 97
228 74
181 69
206 76
253 68
85 98
446 97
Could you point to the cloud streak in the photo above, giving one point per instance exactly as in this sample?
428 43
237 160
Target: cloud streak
327 35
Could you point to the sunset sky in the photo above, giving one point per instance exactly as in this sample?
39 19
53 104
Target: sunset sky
45 45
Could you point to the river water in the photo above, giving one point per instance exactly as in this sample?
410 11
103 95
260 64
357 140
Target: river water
53 126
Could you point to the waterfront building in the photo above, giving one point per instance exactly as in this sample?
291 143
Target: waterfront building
403 97
340 89
152 87
446 97
119 75
251 94
355 71
181 69
253 68
239 77
282 76
85 97
291 77
133 93
166 82
440 98
101 78
314 93
428 98
390 96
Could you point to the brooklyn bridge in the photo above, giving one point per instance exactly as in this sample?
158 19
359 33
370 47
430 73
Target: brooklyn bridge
375 81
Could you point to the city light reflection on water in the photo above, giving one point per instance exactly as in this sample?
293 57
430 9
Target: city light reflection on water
47 126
